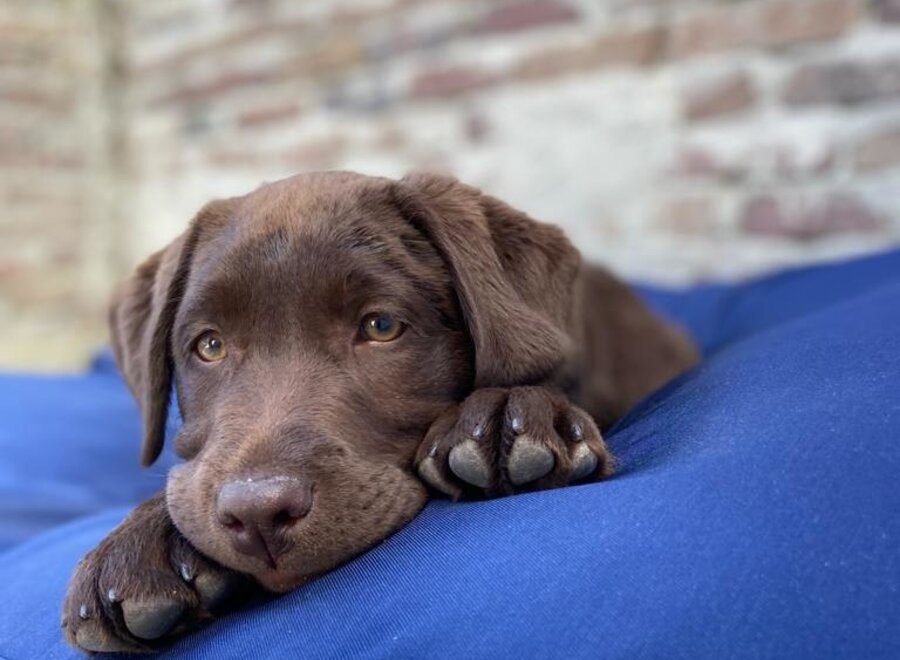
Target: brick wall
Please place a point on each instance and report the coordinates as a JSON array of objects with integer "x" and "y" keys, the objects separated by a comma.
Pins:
[
  {"x": 55, "y": 241},
  {"x": 674, "y": 140}
]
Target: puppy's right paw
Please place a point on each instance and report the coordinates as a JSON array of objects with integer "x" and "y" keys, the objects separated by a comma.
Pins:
[{"x": 142, "y": 586}]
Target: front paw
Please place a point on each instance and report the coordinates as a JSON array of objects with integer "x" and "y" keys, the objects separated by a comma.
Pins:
[
  {"x": 141, "y": 586},
  {"x": 501, "y": 441}
]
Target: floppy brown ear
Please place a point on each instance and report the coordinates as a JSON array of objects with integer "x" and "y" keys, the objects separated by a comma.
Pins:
[
  {"x": 515, "y": 277},
  {"x": 141, "y": 317}
]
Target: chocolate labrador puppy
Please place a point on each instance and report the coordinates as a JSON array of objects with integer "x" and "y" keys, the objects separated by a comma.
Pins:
[{"x": 335, "y": 340}]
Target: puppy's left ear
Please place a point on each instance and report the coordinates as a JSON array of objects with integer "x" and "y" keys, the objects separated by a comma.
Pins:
[
  {"x": 516, "y": 278},
  {"x": 140, "y": 320}
]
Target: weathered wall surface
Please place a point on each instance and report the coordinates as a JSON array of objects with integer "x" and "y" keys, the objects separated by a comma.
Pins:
[
  {"x": 674, "y": 140},
  {"x": 56, "y": 235}
]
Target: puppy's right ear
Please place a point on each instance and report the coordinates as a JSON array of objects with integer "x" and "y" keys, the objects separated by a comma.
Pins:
[{"x": 141, "y": 317}]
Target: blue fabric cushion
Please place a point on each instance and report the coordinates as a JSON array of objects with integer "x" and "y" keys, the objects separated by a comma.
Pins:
[
  {"x": 719, "y": 314},
  {"x": 756, "y": 513},
  {"x": 68, "y": 447}
]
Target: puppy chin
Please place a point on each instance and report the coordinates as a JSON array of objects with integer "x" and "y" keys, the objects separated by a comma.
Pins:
[{"x": 280, "y": 581}]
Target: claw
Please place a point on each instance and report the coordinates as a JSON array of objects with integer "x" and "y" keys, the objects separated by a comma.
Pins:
[
  {"x": 577, "y": 432},
  {"x": 467, "y": 463},
  {"x": 529, "y": 461}
]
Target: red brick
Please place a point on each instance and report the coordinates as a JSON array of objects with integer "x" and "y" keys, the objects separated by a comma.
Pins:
[
  {"x": 524, "y": 15},
  {"x": 223, "y": 83},
  {"x": 352, "y": 15},
  {"x": 253, "y": 5},
  {"x": 9, "y": 267},
  {"x": 638, "y": 48},
  {"x": 837, "y": 213},
  {"x": 843, "y": 83},
  {"x": 723, "y": 28},
  {"x": 39, "y": 99},
  {"x": 785, "y": 162},
  {"x": 695, "y": 162},
  {"x": 23, "y": 30},
  {"x": 265, "y": 115},
  {"x": 390, "y": 138},
  {"x": 789, "y": 21},
  {"x": 51, "y": 243},
  {"x": 764, "y": 23},
  {"x": 879, "y": 151},
  {"x": 730, "y": 94},
  {"x": 168, "y": 21},
  {"x": 688, "y": 216},
  {"x": 214, "y": 48},
  {"x": 26, "y": 54},
  {"x": 315, "y": 154},
  {"x": 42, "y": 217},
  {"x": 553, "y": 62},
  {"x": 38, "y": 286},
  {"x": 340, "y": 52},
  {"x": 449, "y": 82},
  {"x": 55, "y": 160},
  {"x": 234, "y": 158}
]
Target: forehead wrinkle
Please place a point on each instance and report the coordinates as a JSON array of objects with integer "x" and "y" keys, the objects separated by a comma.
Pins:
[
  {"x": 305, "y": 201},
  {"x": 316, "y": 249}
]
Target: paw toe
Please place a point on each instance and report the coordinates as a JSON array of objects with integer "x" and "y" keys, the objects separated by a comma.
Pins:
[
  {"x": 529, "y": 461},
  {"x": 428, "y": 470},
  {"x": 151, "y": 619},
  {"x": 93, "y": 636},
  {"x": 214, "y": 587},
  {"x": 584, "y": 462},
  {"x": 469, "y": 465}
]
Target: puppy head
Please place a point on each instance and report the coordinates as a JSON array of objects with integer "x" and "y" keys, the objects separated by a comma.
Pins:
[{"x": 314, "y": 329}]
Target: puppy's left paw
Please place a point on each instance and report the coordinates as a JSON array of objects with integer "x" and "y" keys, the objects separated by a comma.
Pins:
[{"x": 500, "y": 441}]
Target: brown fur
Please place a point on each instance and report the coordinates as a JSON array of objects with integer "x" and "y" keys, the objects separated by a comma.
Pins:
[{"x": 504, "y": 323}]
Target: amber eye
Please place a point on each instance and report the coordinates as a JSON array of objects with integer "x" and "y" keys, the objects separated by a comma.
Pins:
[
  {"x": 382, "y": 327},
  {"x": 210, "y": 347}
]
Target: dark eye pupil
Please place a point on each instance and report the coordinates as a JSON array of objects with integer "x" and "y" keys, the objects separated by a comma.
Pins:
[{"x": 383, "y": 323}]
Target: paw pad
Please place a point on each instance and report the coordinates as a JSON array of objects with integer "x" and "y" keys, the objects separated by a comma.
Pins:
[
  {"x": 529, "y": 461},
  {"x": 468, "y": 464},
  {"x": 151, "y": 619}
]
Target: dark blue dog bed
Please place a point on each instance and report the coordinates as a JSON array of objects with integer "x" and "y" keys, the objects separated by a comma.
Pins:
[{"x": 755, "y": 514}]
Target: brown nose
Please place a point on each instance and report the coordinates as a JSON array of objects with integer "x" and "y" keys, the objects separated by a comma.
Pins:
[{"x": 257, "y": 513}]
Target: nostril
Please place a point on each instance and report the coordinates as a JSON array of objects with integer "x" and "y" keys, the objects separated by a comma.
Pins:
[
  {"x": 285, "y": 518},
  {"x": 231, "y": 522}
]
